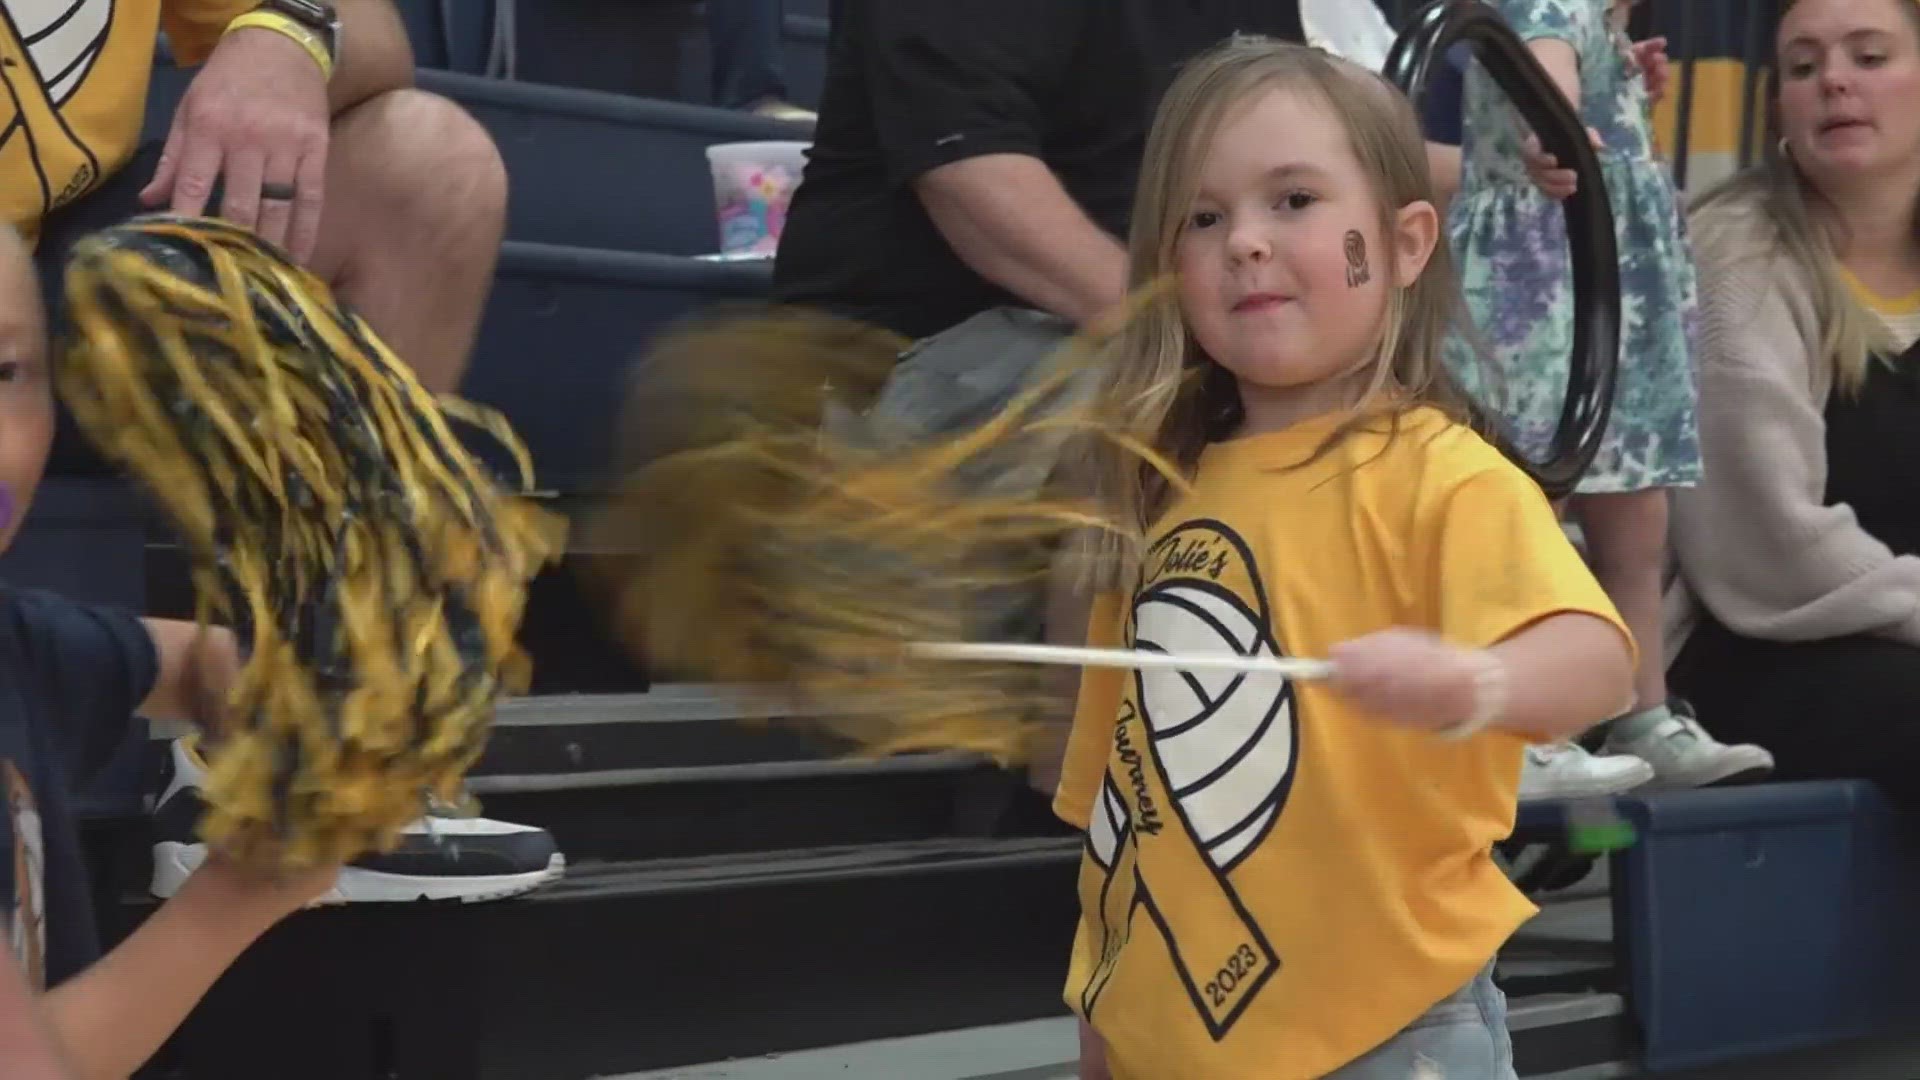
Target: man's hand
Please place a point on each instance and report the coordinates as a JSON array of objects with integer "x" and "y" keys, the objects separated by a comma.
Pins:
[
  {"x": 1656, "y": 70},
  {"x": 255, "y": 117}
]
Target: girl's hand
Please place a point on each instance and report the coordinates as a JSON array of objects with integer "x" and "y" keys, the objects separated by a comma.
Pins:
[
  {"x": 1557, "y": 182},
  {"x": 1656, "y": 69},
  {"x": 1410, "y": 677},
  {"x": 250, "y": 894}
]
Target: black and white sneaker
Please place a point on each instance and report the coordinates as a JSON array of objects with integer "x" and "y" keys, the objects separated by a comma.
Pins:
[{"x": 442, "y": 856}]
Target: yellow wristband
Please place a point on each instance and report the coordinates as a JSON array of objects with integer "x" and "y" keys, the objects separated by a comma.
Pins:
[{"x": 289, "y": 27}]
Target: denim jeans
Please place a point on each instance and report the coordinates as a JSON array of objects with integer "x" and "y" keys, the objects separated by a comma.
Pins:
[{"x": 1464, "y": 1037}]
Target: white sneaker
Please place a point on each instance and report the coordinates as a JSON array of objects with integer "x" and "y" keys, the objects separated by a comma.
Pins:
[
  {"x": 1683, "y": 755},
  {"x": 440, "y": 857},
  {"x": 1567, "y": 771}
]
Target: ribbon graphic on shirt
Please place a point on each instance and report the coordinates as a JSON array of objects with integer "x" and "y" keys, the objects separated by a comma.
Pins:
[{"x": 1201, "y": 767}]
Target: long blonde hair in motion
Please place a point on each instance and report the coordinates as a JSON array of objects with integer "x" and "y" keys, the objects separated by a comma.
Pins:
[{"x": 1168, "y": 392}]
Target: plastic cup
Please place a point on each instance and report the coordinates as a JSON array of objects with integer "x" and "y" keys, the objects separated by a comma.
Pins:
[{"x": 752, "y": 184}]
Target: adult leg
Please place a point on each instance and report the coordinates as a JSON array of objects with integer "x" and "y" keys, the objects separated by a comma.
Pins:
[
  {"x": 746, "y": 38},
  {"x": 416, "y": 209},
  {"x": 1848, "y": 708}
]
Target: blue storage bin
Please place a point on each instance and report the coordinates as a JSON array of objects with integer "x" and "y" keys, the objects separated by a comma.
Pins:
[
  {"x": 1762, "y": 919},
  {"x": 562, "y": 329}
]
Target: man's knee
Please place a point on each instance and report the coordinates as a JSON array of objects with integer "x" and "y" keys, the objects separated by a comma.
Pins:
[{"x": 415, "y": 158}]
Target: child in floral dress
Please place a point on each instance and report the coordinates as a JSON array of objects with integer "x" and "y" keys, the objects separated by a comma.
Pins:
[{"x": 1510, "y": 239}]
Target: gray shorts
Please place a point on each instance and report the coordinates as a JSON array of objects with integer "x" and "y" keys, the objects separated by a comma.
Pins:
[{"x": 957, "y": 380}]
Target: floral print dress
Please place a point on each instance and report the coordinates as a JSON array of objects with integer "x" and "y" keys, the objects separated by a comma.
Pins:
[{"x": 1511, "y": 243}]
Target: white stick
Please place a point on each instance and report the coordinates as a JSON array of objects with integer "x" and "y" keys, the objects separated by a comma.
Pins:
[{"x": 1284, "y": 666}]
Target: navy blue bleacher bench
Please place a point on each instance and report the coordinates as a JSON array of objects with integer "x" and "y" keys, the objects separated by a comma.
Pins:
[
  {"x": 606, "y": 170},
  {"x": 562, "y": 331}
]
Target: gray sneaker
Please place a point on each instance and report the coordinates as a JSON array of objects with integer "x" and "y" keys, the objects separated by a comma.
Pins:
[{"x": 1684, "y": 755}]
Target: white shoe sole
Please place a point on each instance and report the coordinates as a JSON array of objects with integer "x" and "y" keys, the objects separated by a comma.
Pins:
[
  {"x": 174, "y": 863},
  {"x": 1743, "y": 764},
  {"x": 1591, "y": 787}
]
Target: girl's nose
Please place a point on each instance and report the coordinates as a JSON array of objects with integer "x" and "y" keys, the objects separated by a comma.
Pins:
[{"x": 1249, "y": 245}]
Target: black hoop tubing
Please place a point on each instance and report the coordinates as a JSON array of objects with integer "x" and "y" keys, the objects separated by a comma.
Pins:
[{"x": 1596, "y": 263}]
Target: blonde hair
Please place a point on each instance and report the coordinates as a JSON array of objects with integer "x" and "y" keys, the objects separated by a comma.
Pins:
[
  {"x": 1165, "y": 389},
  {"x": 1803, "y": 231}
]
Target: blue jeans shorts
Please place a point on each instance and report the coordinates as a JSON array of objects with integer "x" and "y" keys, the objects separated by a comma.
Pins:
[{"x": 1464, "y": 1037}]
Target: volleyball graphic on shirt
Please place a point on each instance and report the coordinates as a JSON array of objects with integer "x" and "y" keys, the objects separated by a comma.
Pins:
[
  {"x": 64, "y": 38},
  {"x": 1225, "y": 741}
]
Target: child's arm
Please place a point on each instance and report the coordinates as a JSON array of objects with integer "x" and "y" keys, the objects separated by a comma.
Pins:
[
  {"x": 115, "y": 1015},
  {"x": 27, "y": 1049},
  {"x": 1563, "y": 675},
  {"x": 195, "y": 667},
  {"x": 1553, "y": 679},
  {"x": 1443, "y": 164},
  {"x": 1562, "y": 64}
]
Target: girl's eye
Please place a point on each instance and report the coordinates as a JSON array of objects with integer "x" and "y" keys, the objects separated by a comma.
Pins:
[
  {"x": 1203, "y": 219},
  {"x": 1799, "y": 69},
  {"x": 1298, "y": 200},
  {"x": 1872, "y": 60},
  {"x": 9, "y": 370}
]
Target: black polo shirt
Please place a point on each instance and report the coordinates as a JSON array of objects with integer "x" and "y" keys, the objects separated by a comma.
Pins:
[{"x": 916, "y": 84}]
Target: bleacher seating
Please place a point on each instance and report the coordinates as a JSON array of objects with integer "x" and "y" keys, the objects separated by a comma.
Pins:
[{"x": 601, "y": 170}]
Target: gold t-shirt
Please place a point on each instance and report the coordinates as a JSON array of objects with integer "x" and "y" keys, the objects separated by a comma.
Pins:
[{"x": 1274, "y": 884}]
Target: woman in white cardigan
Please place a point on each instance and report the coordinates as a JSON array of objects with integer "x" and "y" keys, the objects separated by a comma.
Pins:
[{"x": 1795, "y": 616}]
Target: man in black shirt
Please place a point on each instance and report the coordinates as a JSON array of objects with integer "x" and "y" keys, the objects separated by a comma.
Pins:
[{"x": 979, "y": 154}]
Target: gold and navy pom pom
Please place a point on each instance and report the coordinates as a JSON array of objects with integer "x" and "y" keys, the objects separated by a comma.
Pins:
[
  {"x": 375, "y": 572},
  {"x": 772, "y": 527}
]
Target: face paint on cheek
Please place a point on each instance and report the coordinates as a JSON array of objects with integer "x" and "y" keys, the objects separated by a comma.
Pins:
[{"x": 1358, "y": 273}]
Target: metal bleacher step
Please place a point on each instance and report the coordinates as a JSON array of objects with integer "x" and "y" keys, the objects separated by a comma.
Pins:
[
  {"x": 673, "y": 733},
  {"x": 695, "y": 771},
  {"x": 594, "y": 880},
  {"x": 658, "y": 964}
]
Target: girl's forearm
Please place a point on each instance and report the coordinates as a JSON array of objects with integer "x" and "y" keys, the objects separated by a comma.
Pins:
[
  {"x": 116, "y": 1014},
  {"x": 1565, "y": 674},
  {"x": 27, "y": 1049}
]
